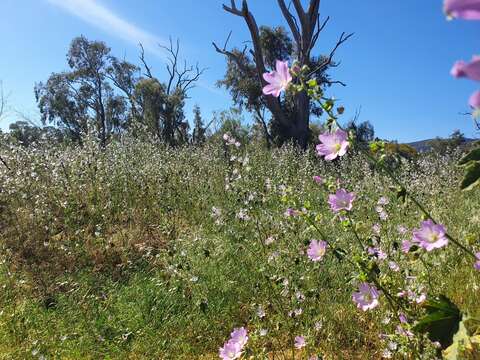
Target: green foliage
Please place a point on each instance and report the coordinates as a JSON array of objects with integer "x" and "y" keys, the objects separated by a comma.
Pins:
[
  {"x": 85, "y": 94},
  {"x": 199, "y": 130},
  {"x": 473, "y": 155},
  {"x": 105, "y": 95},
  {"x": 106, "y": 254},
  {"x": 440, "y": 145},
  {"x": 440, "y": 321},
  {"x": 471, "y": 176}
]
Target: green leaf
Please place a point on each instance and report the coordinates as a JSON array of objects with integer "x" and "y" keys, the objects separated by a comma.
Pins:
[
  {"x": 441, "y": 320},
  {"x": 472, "y": 175},
  {"x": 472, "y": 155}
]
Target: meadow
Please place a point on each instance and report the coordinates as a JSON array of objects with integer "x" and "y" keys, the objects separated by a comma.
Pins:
[
  {"x": 142, "y": 251},
  {"x": 279, "y": 227}
]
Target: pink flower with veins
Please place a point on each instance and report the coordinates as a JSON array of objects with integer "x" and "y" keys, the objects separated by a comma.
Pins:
[
  {"x": 316, "y": 250},
  {"x": 278, "y": 79},
  {"x": 333, "y": 145},
  {"x": 341, "y": 200},
  {"x": 430, "y": 235},
  {"x": 462, "y": 9},
  {"x": 469, "y": 70},
  {"x": 239, "y": 336},
  {"x": 367, "y": 297},
  {"x": 231, "y": 350}
]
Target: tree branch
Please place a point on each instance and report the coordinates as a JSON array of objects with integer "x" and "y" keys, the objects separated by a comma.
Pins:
[
  {"x": 272, "y": 103},
  {"x": 329, "y": 60},
  {"x": 291, "y": 21},
  {"x": 142, "y": 59}
]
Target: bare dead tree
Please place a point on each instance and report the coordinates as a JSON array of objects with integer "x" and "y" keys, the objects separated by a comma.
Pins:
[
  {"x": 148, "y": 72},
  {"x": 306, "y": 28},
  {"x": 184, "y": 77},
  {"x": 181, "y": 79}
]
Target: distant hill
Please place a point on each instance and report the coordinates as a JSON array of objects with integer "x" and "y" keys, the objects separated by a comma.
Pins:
[{"x": 424, "y": 145}]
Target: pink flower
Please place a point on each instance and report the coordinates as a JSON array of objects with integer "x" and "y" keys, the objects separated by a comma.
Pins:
[
  {"x": 300, "y": 342},
  {"x": 378, "y": 253},
  {"x": 474, "y": 100},
  {"x": 477, "y": 263},
  {"x": 231, "y": 350},
  {"x": 463, "y": 9},
  {"x": 469, "y": 70},
  {"x": 333, "y": 144},
  {"x": 342, "y": 200},
  {"x": 406, "y": 245},
  {"x": 318, "y": 179},
  {"x": 367, "y": 297},
  {"x": 240, "y": 336},
  {"x": 430, "y": 235},
  {"x": 278, "y": 79},
  {"x": 317, "y": 250},
  {"x": 290, "y": 212},
  {"x": 420, "y": 299},
  {"x": 393, "y": 266},
  {"x": 403, "y": 318}
]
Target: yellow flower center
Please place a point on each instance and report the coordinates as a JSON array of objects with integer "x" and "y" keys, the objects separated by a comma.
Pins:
[{"x": 433, "y": 238}]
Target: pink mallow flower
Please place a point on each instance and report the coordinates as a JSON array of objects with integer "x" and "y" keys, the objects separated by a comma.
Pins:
[
  {"x": 462, "y": 9},
  {"x": 341, "y": 200},
  {"x": 477, "y": 263},
  {"x": 233, "y": 348},
  {"x": 430, "y": 235},
  {"x": 367, "y": 297},
  {"x": 240, "y": 336},
  {"x": 316, "y": 250},
  {"x": 469, "y": 70},
  {"x": 318, "y": 179},
  {"x": 474, "y": 100},
  {"x": 333, "y": 144},
  {"x": 278, "y": 79},
  {"x": 300, "y": 342}
]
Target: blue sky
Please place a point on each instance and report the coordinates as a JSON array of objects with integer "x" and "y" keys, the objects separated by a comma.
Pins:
[{"x": 396, "y": 66}]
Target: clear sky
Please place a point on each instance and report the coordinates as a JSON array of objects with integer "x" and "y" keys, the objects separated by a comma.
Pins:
[{"x": 396, "y": 66}]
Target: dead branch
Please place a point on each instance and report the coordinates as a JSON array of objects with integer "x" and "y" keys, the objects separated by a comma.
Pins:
[{"x": 142, "y": 59}]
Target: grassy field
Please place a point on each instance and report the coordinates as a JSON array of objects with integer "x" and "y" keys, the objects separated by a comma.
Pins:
[{"x": 143, "y": 252}]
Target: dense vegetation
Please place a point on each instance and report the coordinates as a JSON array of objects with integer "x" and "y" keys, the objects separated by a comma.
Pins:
[
  {"x": 142, "y": 251},
  {"x": 124, "y": 234}
]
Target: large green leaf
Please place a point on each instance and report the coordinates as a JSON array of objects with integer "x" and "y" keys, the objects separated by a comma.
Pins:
[
  {"x": 440, "y": 321},
  {"x": 472, "y": 175},
  {"x": 472, "y": 155}
]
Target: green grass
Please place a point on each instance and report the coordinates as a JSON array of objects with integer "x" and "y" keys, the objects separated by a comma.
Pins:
[{"x": 116, "y": 254}]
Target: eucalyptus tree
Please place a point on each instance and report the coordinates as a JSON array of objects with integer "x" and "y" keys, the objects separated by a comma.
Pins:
[{"x": 290, "y": 116}]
